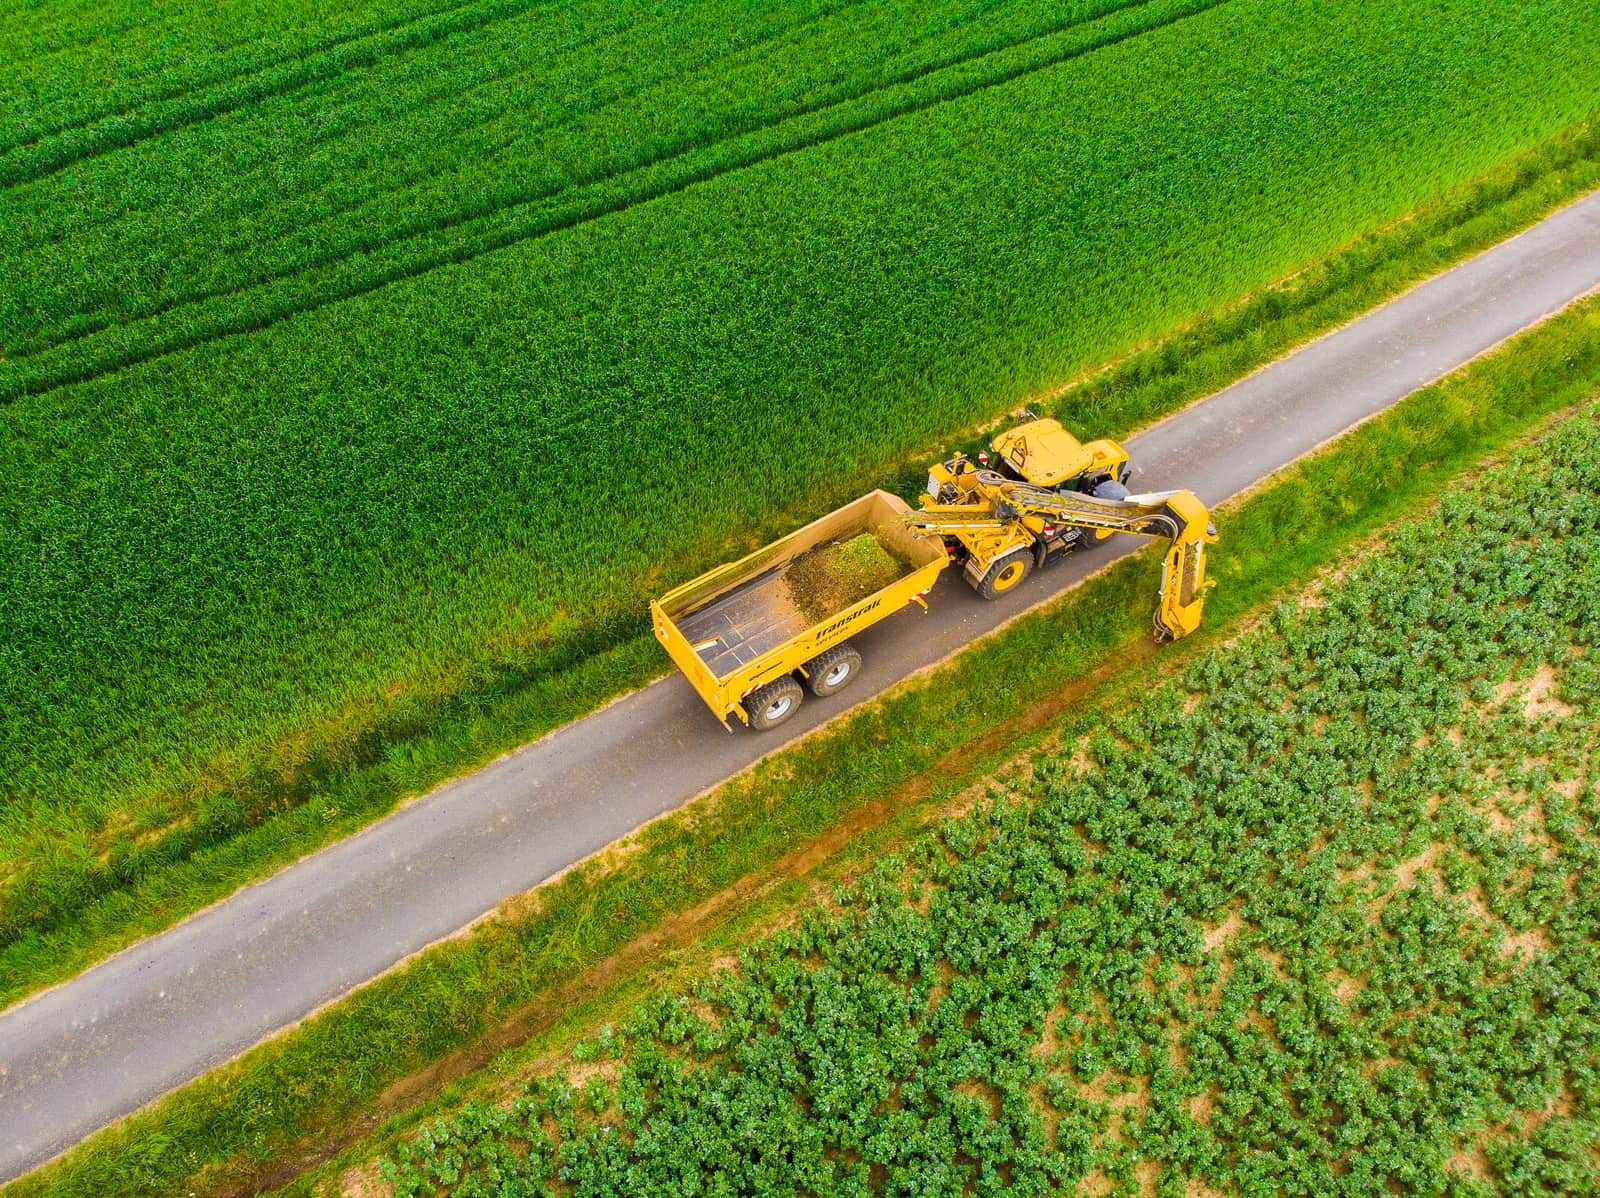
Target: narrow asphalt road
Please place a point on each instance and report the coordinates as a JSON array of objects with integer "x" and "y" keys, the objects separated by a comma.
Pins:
[{"x": 173, "y": 1006}]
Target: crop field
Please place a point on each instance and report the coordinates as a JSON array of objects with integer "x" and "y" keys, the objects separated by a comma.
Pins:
[
  {"x": 1316, "y": 917},
  {"x": 359, "y": 356}
]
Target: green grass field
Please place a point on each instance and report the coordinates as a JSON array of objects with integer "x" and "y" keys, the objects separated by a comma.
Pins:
[
  {"x": 361, "y": 356},
  {"x": 1315, "y": 918}
]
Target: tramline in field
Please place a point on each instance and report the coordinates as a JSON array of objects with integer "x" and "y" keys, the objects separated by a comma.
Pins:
[{"x": 748, "y": 634}]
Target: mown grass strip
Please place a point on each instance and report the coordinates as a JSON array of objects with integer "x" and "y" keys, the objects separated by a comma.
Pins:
[
  {"x": 222, "y": 1130},
  {"x": 66, "y": 915}
]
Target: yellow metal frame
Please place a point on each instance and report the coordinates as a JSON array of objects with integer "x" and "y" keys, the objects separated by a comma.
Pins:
[
  {"x": 993, "y": 517},
  {"x": 879, "y": 512}
]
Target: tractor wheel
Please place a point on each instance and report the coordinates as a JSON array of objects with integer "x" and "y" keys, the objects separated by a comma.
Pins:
[
  {"x": 1005, "y": 574},
  {"x": 830, "y": 671},
  {"x": 770, "y": 705}
]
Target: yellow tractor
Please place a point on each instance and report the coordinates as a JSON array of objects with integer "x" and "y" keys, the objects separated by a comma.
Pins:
[{"x": 1049, "y": 495}]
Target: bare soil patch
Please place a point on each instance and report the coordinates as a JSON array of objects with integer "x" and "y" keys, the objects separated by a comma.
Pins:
[
  {"x": 1541, "y": 698},
  {"x": 1223, "y": 933}
]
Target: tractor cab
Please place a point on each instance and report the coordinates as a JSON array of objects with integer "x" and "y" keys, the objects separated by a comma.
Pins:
[{"x": 1044, "y": 454}]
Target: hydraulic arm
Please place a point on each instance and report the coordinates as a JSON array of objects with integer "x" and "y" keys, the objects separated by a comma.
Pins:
[{"x": 1001, "y": 528}]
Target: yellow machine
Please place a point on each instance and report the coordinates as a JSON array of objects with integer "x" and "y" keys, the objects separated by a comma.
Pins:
[
  {"x": 746, "y": 647},
  {"x": 1044, "y": 454},
  {"x": 998, "y": 529}
]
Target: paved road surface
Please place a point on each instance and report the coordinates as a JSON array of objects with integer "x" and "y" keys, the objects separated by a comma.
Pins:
[{"x": 182, "y": 1002}]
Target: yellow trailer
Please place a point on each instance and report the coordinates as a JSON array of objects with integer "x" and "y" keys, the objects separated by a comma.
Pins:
[{"x": 746, "y": 641}]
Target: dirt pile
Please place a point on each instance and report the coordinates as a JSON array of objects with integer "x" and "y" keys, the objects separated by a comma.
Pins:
[{"x": 831, "y": 577}]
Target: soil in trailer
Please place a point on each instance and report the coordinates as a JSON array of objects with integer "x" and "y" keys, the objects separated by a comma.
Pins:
[
  {"x": 761, "y": 613},
  {"x": 831, "y": 577}
]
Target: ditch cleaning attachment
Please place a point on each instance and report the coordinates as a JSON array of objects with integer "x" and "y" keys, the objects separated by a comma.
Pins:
[{"x": 999, "y": 529}]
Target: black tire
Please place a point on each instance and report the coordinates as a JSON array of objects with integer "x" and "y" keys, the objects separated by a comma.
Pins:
[
  {"x": 768, "y": 706},
  {"x": 1003, "y": 575},
  {"x": 830, "y": 671}
]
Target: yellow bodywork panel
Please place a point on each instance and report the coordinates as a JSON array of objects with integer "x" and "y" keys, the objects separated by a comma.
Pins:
[
  {"x": 1183, "y": 574},
  {"x": 729, "y": 631},
  {"x": 1047, "y": 455}
]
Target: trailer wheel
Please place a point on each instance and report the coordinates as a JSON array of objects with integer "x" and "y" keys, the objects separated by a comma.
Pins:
[
  {"x": 1005, "y": 574},
  {"x": 830, "y": 671},
  {"x": 770, "y": 705}
]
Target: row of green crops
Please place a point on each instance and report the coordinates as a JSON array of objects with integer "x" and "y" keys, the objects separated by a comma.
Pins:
[
  {"x": 1318, "y": 918},
  {"x": 232, "y": 564},
  {"x": 400, "y": 155}
]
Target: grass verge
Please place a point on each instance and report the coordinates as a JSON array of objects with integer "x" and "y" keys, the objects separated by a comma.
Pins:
[
  {"x": 282, "y": 1101},
  {"x": 272, "y": 819}
]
